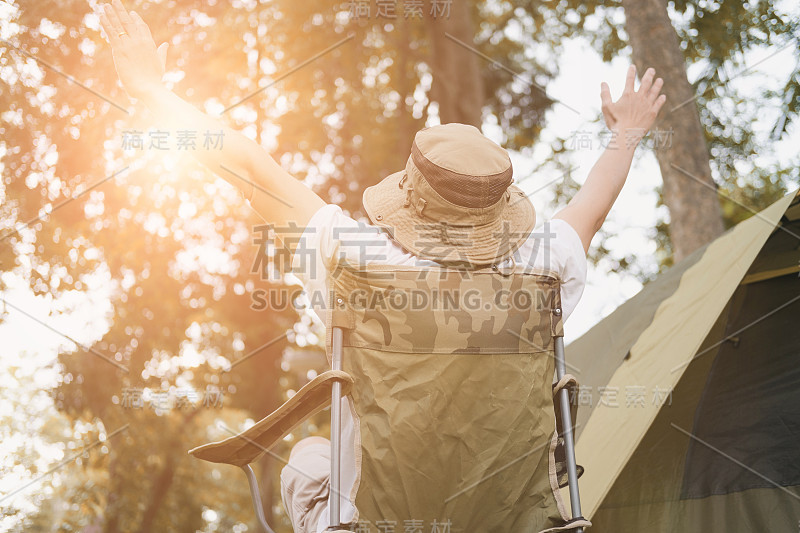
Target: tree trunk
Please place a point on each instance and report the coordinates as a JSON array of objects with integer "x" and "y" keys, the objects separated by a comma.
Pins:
[
  {"x": 681, "y": 150},
  {"x": 457, "y": 85},
  {"x": 268, "y": 496},
  {"x": 165, "y": 479},
  {"x": 111, "y": 513},
  {"x": 405, "y": 83},
  {"x": 161, "y": 486}
]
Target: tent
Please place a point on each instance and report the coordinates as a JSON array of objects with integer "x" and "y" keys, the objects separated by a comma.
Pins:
[{"x": 689, "y": 416}]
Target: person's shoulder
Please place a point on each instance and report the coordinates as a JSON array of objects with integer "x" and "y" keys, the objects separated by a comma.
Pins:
[
  {"x": 552, "y": 232},
  {"x": 566, "y": 234},
  {"x": 553, "y": 245},
  {"x": 315, "y": 238},
  {"x": 332, "y": 235},
  {"x": 325, "y": 215},
  {"x": 330, "y": 218}
]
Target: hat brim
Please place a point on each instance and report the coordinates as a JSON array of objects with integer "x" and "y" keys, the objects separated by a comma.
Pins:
[{"x": 478, "y": 244}]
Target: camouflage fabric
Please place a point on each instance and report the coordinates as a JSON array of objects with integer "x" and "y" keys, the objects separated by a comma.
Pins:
[{"x": 453, "y": 394}]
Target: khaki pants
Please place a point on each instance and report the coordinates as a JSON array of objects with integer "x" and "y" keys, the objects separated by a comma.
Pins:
[{"x": 305, "y": 483}]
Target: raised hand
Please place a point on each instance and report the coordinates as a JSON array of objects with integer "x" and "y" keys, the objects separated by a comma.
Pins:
[
  {"x": 635, "y": 111},
  {"x": 140, "y": 65}
]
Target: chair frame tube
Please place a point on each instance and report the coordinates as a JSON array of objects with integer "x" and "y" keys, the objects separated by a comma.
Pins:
[
  {"x": 336, "y": 442},
  {"x": 336, "y": 447},
  {"x": 336, "y": 434},
  {"x": 566, "y": 424},
  {"x": 256, "y": 495}
]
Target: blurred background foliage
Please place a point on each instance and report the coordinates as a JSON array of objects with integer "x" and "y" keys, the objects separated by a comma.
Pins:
[{"x": 173, "y": 247}]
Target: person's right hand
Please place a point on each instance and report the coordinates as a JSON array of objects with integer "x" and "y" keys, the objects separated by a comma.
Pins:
[
  {"x": 635, "y": 111},
  {"x": 139, "y": 64}
]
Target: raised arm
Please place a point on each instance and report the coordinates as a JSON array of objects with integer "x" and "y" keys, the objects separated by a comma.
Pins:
[
  {"x": 629, "y": 119},
  {"x": 274, "y": 194}
]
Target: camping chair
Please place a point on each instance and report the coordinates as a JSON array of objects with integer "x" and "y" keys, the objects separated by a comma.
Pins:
[{"x": 446, "y": 376}]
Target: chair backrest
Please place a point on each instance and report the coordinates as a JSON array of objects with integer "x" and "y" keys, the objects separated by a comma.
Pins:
[{"x": 453, "y": 395}]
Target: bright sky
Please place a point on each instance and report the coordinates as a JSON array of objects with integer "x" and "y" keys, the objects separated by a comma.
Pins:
[{"x": 634, "y": 213}]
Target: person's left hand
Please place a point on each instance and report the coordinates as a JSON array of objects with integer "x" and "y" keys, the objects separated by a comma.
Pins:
[
  {"x": 634, "y": 111},
  {"x": 140, "y": 65}
]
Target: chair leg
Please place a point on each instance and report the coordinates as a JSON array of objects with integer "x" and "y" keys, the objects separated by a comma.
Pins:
[
  {"x": 256, "y": 494},
  {"x": 566, "y": 424},
  {"x": 336, "y": 433}
]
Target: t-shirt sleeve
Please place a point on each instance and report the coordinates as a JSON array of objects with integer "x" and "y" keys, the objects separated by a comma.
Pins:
[
  {"x": 313, "y": 254},
  {"x": 329, "y": 237},
  {"x": 570, "y": 261}
]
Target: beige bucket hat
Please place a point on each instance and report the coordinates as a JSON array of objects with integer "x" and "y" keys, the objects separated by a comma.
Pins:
[{"x": 455, "y": 201}]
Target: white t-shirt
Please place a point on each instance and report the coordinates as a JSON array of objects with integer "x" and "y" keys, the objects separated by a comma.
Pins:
[{"x": 330, "y": 234}]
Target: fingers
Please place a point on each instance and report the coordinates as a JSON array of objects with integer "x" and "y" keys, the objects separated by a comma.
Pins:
[
  {"x": 605, "y": 94},
  {"x": 113, "y": 19},
  {"x": 629, "y": 80},
  {"x": 111, "y": 34},
  {"x": 605, "y": 98},
  {"x": 162, "y": 55},
  {"x": 647, "y": 81},
  {"x": 655, "y": 89},
  {"x": 659, "y": 102},
  {"x": 125, "y": 19}
]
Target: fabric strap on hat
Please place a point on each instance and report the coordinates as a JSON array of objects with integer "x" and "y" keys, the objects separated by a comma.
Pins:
[
  {"x": 463, "y": 189},
  {"x": 431, "y": 204}
]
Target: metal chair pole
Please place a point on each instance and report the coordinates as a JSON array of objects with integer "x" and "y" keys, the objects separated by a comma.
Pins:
[
  {"x": 256, "y": 495},
  {"x": 336, "y": 432},
  {"x": 566, "y": 424}
]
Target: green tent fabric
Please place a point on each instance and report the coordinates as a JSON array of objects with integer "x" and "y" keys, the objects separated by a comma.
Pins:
[{"x": 690, "y": 415}]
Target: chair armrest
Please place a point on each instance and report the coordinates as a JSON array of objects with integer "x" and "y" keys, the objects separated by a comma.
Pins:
[{"x": 247, "y": 446}]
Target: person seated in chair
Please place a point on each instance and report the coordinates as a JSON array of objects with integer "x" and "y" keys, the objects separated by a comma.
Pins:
[{"x": 454, "y": 203}]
